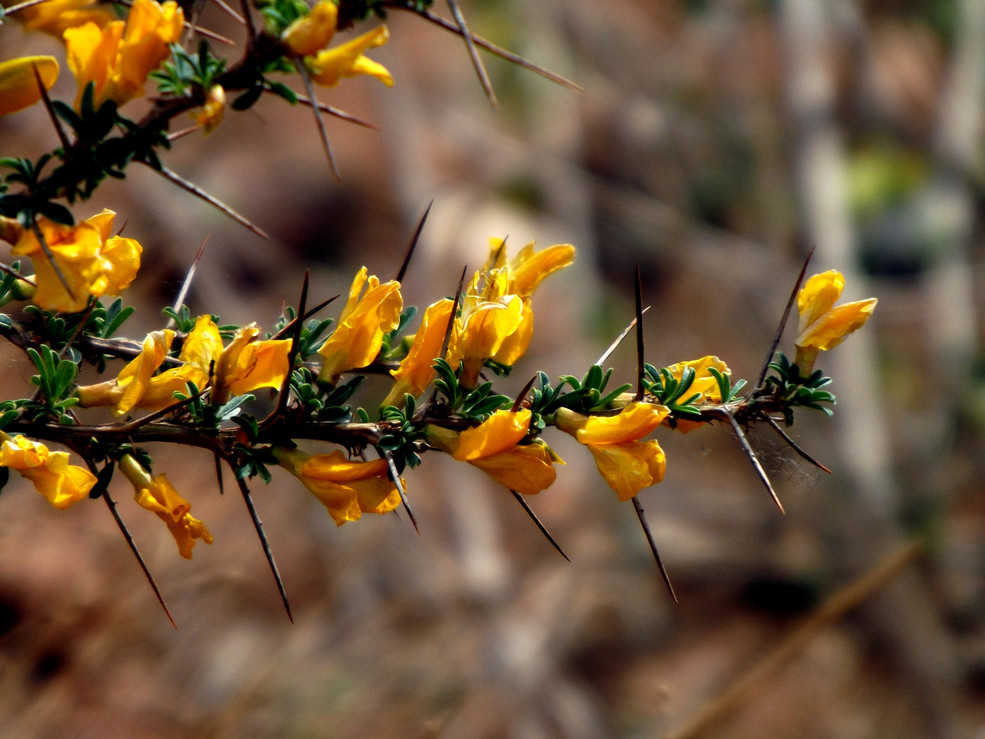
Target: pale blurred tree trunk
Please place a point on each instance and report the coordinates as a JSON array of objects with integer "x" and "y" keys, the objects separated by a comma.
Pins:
[{"x": 864, "y": 520}]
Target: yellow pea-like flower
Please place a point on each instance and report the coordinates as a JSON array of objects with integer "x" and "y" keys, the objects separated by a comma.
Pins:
[
  {"x": 118, "y": 57},
  {"x": 494, "y": 447},
  {"x": 247, "y": 365},
  {"x": 19, "y": 85},
  {"x": 823, "y": 325},
  {"x": 311, "y": 33},
  {"x": 329, "y": 66},
  {"x": 416, "y": 371},
  {"x": 157, "y": 495},
  {"x": 60, "y": 482},
  {"x": 54, "y": 17},
  {"x": 347, "y": 488},
  {"x": 627, "y": 464},
  {"x": 92, "y": 261},
  {"x": 366, "y": 317}
]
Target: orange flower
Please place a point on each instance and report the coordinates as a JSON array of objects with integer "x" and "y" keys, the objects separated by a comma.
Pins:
[
  {"x": 158, "y": 496},
  {"x": 627, "y": 464},
  {"x": 822, "y": 324},
  {"x": 60, "y": 482},
  {"x": 18, "y": 85},
  {"x": 494, "y": 447},
  {"x": 358, "y": 337},
  {"x": 347, "y": 488},
  {"x": 118, "y": 57},
  {"x": 92, "y": 261}
]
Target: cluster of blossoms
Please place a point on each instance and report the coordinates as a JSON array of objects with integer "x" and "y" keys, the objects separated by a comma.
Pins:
[{"x": 198, "y": 383}]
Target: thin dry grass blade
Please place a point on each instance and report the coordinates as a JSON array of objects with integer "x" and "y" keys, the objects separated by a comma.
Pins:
[{"x": 619, "y": 339}]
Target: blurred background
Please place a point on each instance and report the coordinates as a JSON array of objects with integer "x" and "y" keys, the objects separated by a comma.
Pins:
[{"x": 715, "y": 142}]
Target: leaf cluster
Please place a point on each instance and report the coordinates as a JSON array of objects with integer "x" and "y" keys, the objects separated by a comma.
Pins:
[
  {"x": 791, "y": 390},
  {"x": 475, "y": 404}
]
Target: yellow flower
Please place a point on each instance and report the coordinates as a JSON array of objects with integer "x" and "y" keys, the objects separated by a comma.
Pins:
[
  {"x": 627, "y": 464},
  {"x": 210, "y": 116},
  {"x": 60, "y": 482},
  {"x": 54, "y": 17},
  {"x": 524, "y": 273},
  {"x": 329, "y": 66},
  {"x": 18, "y": 85},
  {"x": 118, "y": 57},
  {"x": 488, "y": 318},
  {"x": 497, "y": 320},
  {"x": 92, "y": 261},
  {"x": 494, "y": 447},
  {"x": 358, "y": 337},
  {"x": 138, "y": 386},
  {"x": 822, "y": 324},
  {"x": 157, "y": 495},
  {"x": 247, "y": 365},
  {"x": 311, "y": 33},
  {"x": 416, "y": 370},
  {"x": 346, "y": 488},
  {"x": 242, "y": 366}
]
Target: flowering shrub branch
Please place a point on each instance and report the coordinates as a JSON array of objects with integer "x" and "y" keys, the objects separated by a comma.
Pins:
[{"x": 196, "y": 382}]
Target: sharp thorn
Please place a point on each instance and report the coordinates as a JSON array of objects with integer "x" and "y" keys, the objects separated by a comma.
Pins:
[
  {"x": 619, "y": 339},
  {"x": 498, "y": 50},
  {"x": 793, "y": 445},
  {"x": 653, "y": 547},
  {"x": 400, "y": 489},
  {"x": 198, "y": 192},
  {"x": 480, "y": 70},
  {"x": 111, "y": 504},
  {"x": 62, "y": 137},
  {"x": 51, "y": 258},
  {"x": 335, "y": 112},
  {"x": 756, "y": 465},
  {"x": 521, "y": 396},
  {"x": 412, "y": 247},
  {"x": 322, "y": 131},
  {"x": 543, "y": 529},
  {"x": 783, "y": 320},
  {"x": 248, "y": 499},
  {"x": 186, "y": 285}
]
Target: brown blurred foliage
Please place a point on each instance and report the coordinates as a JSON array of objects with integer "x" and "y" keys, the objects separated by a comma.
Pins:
[{"x": 715, "y": 142}]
